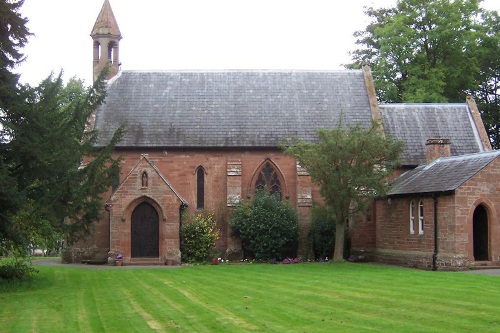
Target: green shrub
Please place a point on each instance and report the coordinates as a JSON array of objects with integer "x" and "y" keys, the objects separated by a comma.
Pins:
[
  {"x": 268, "y": 228},
  {"x": 198, "y": 237},
  {"x": 16, "y": 268},
  {"x": 322, "y": 233}
]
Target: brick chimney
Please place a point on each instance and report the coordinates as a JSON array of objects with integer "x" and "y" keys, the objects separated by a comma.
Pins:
[{"x": 437, "y": 148}]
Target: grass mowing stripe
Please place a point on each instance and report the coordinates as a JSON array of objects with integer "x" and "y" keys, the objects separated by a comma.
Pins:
[
  {"x": 242, "y": 298},
  {"x": 232, "y": 312},
  {"x": 172, "y": 301},
  {"x": 159, "y": 311},
  {"x": 273, "y": 308},
  {"x": 222, "y": 313},
  {"x": 107, "y": 313}
]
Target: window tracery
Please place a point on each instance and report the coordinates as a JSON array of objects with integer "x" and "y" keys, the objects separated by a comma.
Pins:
[{"x": 268, "y": 178}]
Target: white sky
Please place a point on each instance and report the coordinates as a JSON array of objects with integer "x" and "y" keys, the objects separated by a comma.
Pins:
[{"x": 197, "y": 34}]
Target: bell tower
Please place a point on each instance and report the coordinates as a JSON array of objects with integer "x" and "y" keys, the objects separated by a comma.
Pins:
[{"x": 106, "y": 37}]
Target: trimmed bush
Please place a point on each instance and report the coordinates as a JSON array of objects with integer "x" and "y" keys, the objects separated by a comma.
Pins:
[
  {"x": 322, "y": 233},
  {"x": 16, "y": 268},
  {"x": 198, "y": 237},
  {"x": 268, "y": 228}
]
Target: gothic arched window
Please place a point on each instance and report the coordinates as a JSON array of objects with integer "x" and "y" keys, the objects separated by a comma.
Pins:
[
  {"x": 268, "y": 178},
  {"x": 200, "y": 188}
]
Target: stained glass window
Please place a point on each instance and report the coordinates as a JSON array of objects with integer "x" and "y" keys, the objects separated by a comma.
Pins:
[{"x": 268, "y": 178}]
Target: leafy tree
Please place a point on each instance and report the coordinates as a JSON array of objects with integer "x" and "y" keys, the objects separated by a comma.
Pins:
[
  {"x": 268, "y": 227},
  {"x": 13, "y": 36},
  {"x": 488, "y": 93},
  {"x": 45, "y": 188},
  {"x": 434, "y": 51},
  {"x": 350, "y": 165},
  {"x": 48, "y": 158}
]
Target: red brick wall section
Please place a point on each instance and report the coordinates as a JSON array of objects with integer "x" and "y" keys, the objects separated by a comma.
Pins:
[
  {"x": 179, "y": 169},
  {"x": 483, "y": 189},
  {"x": 133, "y": 191},
  {"x": 396, "y": 245},
  {"x": 388, "y": 231},
  {"x": 362, "y": 232}
]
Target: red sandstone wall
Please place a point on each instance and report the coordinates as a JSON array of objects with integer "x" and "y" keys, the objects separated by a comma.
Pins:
[
  {"x": 396, "y": 245},
  {"x": 482, "y": 189},
  {"x": 179, "y": 168},
  {"x": 363, "y": 235}
]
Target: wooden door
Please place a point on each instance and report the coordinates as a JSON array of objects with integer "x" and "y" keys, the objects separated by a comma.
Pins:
[{"x": 145, "y": 231}]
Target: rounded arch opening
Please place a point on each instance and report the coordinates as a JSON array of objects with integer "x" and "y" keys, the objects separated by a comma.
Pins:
[
  {"x": 97, "y": 51},
  {"x": 480, "y": 233},
  {"x": 137, "y": 201}
]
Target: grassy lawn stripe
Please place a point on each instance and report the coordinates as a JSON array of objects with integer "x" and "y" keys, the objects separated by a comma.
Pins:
[{"x": 251, "y": 298}]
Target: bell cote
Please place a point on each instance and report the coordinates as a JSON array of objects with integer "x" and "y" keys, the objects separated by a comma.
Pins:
[{"x": 106, "y": 42}]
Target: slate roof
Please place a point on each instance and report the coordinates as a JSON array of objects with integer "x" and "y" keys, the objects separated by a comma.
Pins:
[
  {"x": 443, "y": 175},
  {"x": 229, "y": 108},
  {"x": 415, "y": 123}
]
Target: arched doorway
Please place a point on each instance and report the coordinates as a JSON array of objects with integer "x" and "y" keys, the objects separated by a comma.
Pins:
[
  {"x": 480, "y": 233},
  {"x": 145, "y": 232}
]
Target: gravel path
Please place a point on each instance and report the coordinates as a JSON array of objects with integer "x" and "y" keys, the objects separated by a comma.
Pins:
[{"x": 57, "y": 262}]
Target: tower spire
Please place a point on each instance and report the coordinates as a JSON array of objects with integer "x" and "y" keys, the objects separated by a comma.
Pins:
[{"x": 106, "y": 37}]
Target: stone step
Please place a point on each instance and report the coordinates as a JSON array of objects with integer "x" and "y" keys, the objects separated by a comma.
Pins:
[
  {"x": 486, "y": 265},
  {"x": 146, "y": 261}
]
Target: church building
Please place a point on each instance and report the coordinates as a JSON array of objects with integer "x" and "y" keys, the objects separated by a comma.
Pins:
[{"x": 206, "y": 140}]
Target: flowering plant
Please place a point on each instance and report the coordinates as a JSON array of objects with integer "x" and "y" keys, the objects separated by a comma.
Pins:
[
  {"x": 291, "y": 261},
  {"x": 119, "y": 256}
]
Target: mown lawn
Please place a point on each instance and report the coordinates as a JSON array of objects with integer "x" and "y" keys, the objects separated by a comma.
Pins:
[{"x": 251, "y": 298}]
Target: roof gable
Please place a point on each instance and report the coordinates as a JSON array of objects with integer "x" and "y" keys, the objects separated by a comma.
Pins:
[
  {"x": 133, "y": 179},
  {"x": 443, "y": 175},
  {"x": 415, "y": 123}
]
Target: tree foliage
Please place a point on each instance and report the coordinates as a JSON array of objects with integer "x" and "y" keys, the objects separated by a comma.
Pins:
[
  {"x": 434, "y": 51},
  {"x": 51, "y": 176},
  {"x": 268, "y": 227},
  {"x": 350, "y": 165},
  {"x": 13, "y": 36},
  {"x": 55, "y": 176}
]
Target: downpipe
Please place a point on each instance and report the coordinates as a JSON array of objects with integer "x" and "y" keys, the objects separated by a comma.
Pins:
[{"x": 434, "y": 254}]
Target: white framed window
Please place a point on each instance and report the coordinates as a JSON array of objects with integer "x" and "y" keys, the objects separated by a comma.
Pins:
[
  {"x": 420, "y": 217},
  {"x": 412, "y": 217}
]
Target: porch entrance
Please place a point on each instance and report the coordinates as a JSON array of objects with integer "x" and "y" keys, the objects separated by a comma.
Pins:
[
  {"x": 145, "y": 232},
  {"x": 480, "y": 231}
]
